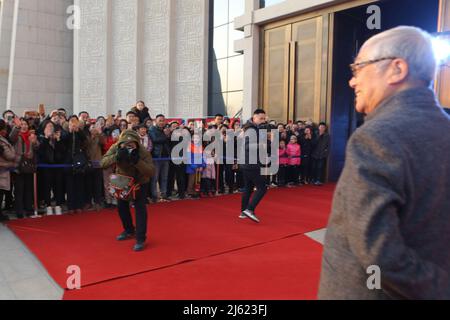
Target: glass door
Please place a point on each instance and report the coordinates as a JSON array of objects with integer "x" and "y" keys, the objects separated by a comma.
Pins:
[
  {"x": 306, "y": 69},
  {"x": 293, "y": 64},
  {"x": 276, "y": 73}
]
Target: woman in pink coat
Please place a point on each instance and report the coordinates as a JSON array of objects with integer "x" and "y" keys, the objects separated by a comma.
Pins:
[{"x": 294, "y": 153}]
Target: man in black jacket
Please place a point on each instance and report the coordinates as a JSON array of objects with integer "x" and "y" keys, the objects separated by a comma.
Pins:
[
  {"x": 251, "y": 167},
  {"x": 320, "y": 153},
  {"x": 161, "y": 153}
]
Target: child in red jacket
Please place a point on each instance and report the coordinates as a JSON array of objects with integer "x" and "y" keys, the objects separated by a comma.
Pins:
[
  {"x": 283, "y": 162},
  {"x": 294, "y": 153}
]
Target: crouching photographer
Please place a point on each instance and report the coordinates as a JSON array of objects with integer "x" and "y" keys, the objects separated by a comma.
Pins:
[{"x": 133, "y": 170}]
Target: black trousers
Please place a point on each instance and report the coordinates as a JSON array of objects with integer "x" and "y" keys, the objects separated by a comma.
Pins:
[
  {"x": 252, "y": 179},
  {"x": 177, "y": 172},
  {"x": 318, "y": 166},
  {"x": 305, "y": 169},
  {"x": 208, "y": 185},
  {"x": 94, "y": 186},
  {"x": 23, "y": 193},
  {"x": 141, "y": 215},
  {"x": 294, "y": 174},
  {"x": 229, "y": 177},
  {"x": 2, "y": 196},
  {"x": 52, "y": 180},
  {"x": 281, "y": 176},
  {"x": 75, "y": 186},
  {"x": 220, "y": 174}
]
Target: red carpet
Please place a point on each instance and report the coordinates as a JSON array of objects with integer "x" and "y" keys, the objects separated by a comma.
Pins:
[
  {"x": 178, "y": 232},
  {"x": 287, "y": 269}
]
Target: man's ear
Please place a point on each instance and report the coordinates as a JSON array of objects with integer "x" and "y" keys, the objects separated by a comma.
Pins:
[{"x": 399, "y": 71}]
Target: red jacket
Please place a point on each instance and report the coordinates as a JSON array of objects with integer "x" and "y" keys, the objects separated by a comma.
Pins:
[
  {"x": 283, "y": 156},
  {"x": 294, "y": 152},
  {"x": 108, "y": 143}
]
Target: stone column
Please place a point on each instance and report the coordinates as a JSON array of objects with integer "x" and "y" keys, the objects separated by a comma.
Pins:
[
  {"x": 91, "y": 58},
  {"x": 124, "y": 54},
  {"x": 6, "y": 20},
  {"x": 250, "y": 46},
  {"x": 191, "y": 59}
]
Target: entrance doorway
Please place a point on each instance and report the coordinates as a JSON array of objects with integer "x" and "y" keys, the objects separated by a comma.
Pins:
[
  {"x": 350, "y": 32},
  {"x": 292, "y": 70}
]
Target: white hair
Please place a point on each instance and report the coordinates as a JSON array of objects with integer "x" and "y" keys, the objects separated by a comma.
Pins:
[{"x": 409, "y": 43}]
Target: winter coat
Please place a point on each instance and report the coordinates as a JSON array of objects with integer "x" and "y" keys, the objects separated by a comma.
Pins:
[
  {"x": 251, "y": 147},
  {"x": 294, "y": 152},
  {"x": 283, "y": 156},
  {"x": 80, "y": 146},
  {"x": 142, "y": 171},
  {"x": 142, "y": 115},
  {"x": 195, "y": 154},
  {"x": 306, "y": 146},
  {"x": 391, "y": 207},
  {"x": 51, "y": 152},
  {"x": 20, "y": 148},
  {"x": 161, "y": 146},
  {"x": 321, "y": 147},
  {"x": 7, "y": 162}
]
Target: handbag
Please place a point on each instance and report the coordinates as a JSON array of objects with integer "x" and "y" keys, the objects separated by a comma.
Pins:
[
  {"x": 123, "y": 187},
  {"x": 26, "y": 165}
]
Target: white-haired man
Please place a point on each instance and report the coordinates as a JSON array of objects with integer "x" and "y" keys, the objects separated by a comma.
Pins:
[{"x": 389, "y": 232}]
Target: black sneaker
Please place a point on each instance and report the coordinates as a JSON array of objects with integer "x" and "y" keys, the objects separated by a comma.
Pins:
[
  {"x": 139, "y": 246},
  {"x": 125, "y": 236}
]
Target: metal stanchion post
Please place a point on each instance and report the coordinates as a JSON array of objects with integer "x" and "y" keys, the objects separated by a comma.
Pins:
[
  {"x": 217, "y": 179},
  {"x": 36, "y": 215}
]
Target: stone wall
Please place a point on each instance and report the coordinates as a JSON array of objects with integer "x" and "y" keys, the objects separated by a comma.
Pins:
[
  {"x": 151, "y": 50},
  {"x": 43, "y": 57}
]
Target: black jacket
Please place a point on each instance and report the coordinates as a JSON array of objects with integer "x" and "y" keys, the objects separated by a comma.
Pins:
[
  {"x": 52, "y": 153},
  {"x": 142, "y": 115},
  {"x": 80, "y": 140},
  {"x": 251, "y": 147},
  {"x": 322, "y": 147},
  {"x": 307, "y": 147},
  {"x": 161, "y": 143}
]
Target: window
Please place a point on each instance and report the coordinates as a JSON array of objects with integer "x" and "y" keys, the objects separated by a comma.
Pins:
[
  {"x": 268, "y": 3},
  {"x": 226, "y": 74}
]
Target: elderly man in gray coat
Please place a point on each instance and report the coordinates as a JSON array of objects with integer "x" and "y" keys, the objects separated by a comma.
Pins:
[{"x": 389, "y": 231}]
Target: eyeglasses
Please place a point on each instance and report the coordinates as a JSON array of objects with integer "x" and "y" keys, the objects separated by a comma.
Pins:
[{"x": 355, "y": 67}]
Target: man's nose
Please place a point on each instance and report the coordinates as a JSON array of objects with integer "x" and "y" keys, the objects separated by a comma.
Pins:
[{"x": 352, "y": 83}]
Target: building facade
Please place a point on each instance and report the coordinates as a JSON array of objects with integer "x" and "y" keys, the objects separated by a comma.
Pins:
[
  {"x": 151, "y": 50},
  {"x": 36, "y": 54},
  {"x": 196, "y": 58},
  {"x": 297, "y": 53}
]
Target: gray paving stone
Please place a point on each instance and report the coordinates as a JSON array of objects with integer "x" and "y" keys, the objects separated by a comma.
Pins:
[
  {"x": 318, "y": 235},
  {"x": 6, "y": 292},
  {"x": 22, "y": 276},
  {"x": 37, "y": 288}
]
